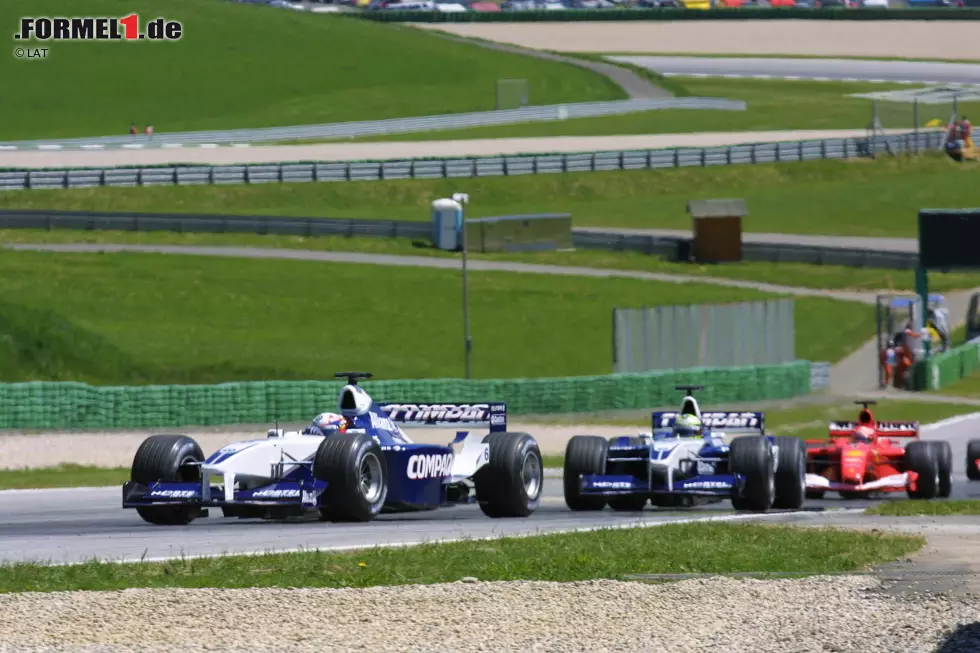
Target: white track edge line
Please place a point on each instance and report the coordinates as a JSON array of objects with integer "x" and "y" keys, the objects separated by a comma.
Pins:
[{"x": 449, "y": 540}]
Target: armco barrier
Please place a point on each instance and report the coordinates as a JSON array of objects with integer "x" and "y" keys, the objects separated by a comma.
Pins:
[
  {"x": 743, "y": 13},
  {"x": 530, "y": 164},
  {"x": 670, "y": 247},
  {"x": 42, "y": 405},
  {"x": 948, "y": 367}
]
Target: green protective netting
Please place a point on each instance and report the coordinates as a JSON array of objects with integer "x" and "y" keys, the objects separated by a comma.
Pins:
[
  {"x": 43, "y": 405},
  {"x": 949, "y": 367}
]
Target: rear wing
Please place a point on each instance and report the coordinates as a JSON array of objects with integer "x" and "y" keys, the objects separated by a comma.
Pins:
[
  {"x": 728, "y": 421},
  {"x": 491, "y": 415},
  {"x": 884, "y": 429}
]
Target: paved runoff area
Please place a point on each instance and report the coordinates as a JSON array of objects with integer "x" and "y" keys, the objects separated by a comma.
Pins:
[{"x": 908, "y": 39}]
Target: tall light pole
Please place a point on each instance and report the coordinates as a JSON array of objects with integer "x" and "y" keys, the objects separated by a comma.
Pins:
[{"x": 463, "y": 198}]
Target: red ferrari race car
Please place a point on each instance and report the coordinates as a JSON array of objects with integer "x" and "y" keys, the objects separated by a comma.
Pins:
[
  {"x": 864, "y": 458},
  {"x": 973, "y": 460}
]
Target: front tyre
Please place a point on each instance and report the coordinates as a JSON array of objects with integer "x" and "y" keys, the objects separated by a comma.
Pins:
[
  {"x": 751, "y": 457},
  {"x": 168, "y": 458},
  {"x": 944, "y": 461},
  {"x": 584, "y": 455},
  {"x": 790, "y": 473},
  {"x": 353, "y": 466},
  {"x": 920, "y": 457},
  {"x": 510, "y": 484}
]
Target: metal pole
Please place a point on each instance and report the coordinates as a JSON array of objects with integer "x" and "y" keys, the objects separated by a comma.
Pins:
[
  {"x": 915, "y": 117},
  {"x": 466, "y": 308}
]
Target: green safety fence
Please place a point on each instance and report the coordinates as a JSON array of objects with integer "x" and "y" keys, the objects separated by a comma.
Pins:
[
  {"x": 48, "y": 405},
  {"x": 948, "y": 367}
]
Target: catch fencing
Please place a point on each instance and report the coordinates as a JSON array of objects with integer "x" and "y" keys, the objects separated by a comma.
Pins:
[
  {"x": 42, "y": 405},
  {"x": 703, "y": 335},
  {"x": 360, "y": 129},
  {"x": 453, "y": 168}
]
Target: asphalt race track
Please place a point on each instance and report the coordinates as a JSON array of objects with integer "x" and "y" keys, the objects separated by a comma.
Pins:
[
  {"x": 72, "y": 525},
  {"x": 815, "y": 69}
]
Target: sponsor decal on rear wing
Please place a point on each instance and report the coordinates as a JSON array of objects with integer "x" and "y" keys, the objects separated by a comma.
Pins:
[
  {"x": 729, "y": 421},
  {"x": 492, "y": 415},
  {"x": 885, "y": 429}
]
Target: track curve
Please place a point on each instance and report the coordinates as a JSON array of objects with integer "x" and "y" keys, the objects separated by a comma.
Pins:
[
  {"x": 917, "y": 72},
  {"x": 74, "y": 525}
]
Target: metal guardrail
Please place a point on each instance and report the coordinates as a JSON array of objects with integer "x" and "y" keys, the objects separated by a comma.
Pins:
[
  {"x": 841, "y": 148},
  {"x": 675, "y": 248},
  {"x": 671, "y": 248},
  {"x": 207, "y": 223},
  {"x": 342, "y": 130}
]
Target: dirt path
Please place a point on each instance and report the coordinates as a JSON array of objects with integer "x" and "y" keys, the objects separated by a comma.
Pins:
[{"x": 635, "y": 86}]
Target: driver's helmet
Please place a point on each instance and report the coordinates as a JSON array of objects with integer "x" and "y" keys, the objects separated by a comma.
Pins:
[
  {"x": 863, "y": 434},
  {"x": 326, "y": 424},
  {"x": 688, "y": 426}
]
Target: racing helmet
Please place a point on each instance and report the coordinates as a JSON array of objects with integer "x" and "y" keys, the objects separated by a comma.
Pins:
[
  {"x": 326, "y": 424},
  {"x": 688, "y": 426},
  {"x": 863, "y": 433}
]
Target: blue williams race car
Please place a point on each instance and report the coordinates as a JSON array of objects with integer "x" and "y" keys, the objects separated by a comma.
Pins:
[
  {"x": 347, "y": 466},
  {"x": 690, "y": 457}
]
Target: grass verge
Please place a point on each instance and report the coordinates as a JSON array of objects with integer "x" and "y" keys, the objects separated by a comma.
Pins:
[
  {"x": 926, "y": 508},
  {"x": 806, "y": 421},
  {"x": 252, "y": 78},
  {"x": 800, "y": 275},
  {"x": 66, "y": 475},
  {"x": 605, "y": 554},
  {"x": 771, "y": 105},
  {"x": 857, "y": 197},
  {"x": 968, "y": 386},
  {"x": 152, "y": 318}
]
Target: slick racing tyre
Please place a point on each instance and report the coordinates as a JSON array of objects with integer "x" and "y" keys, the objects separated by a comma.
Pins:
[
  {"x": 510, "y": 484},
  {"x": 584, "y": 454},
  {"x": 166, "y": 458},
  {"x": 944, "y": 460},
  {"x": 790, "y": 473},
  {"x": 354, "y": 468},
  {"x": 972, "y": 456},
  {"x": 751, "y": 457},
  {"x": 920, "y": 457}
]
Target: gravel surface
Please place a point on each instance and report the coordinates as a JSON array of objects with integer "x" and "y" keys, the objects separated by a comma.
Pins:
[
  {"x": 722, "y": 615},
  {"x": 912, "y": 39},
  {"x": 116, "y": 449}
]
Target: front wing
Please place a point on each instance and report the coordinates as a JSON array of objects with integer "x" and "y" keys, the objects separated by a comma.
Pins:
[
  {"x": 302, "y": 493},
  {"x": 893, "y": 483},
  {"x": 618, "y": 485}
]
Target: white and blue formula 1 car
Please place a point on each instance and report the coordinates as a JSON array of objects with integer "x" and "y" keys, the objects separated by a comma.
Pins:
[
  {"x": 732, "y": 459},
  {"x": 354, "y": 472}
]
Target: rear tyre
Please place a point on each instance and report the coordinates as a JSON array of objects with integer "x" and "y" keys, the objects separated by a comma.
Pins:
[
  {"x": 509, "y": 485},
  {"x": 353, "y": 466},
  {"x": 790, "y": 474},
  {"x": 167, "y": 458},
  {"x": 584, "y": 454},
  {"x": 944, "y": 460},
  {"x": 751, "y": 457},
  {"x": 972, "y": 456},
  {"x": 920, "y": 457}
]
